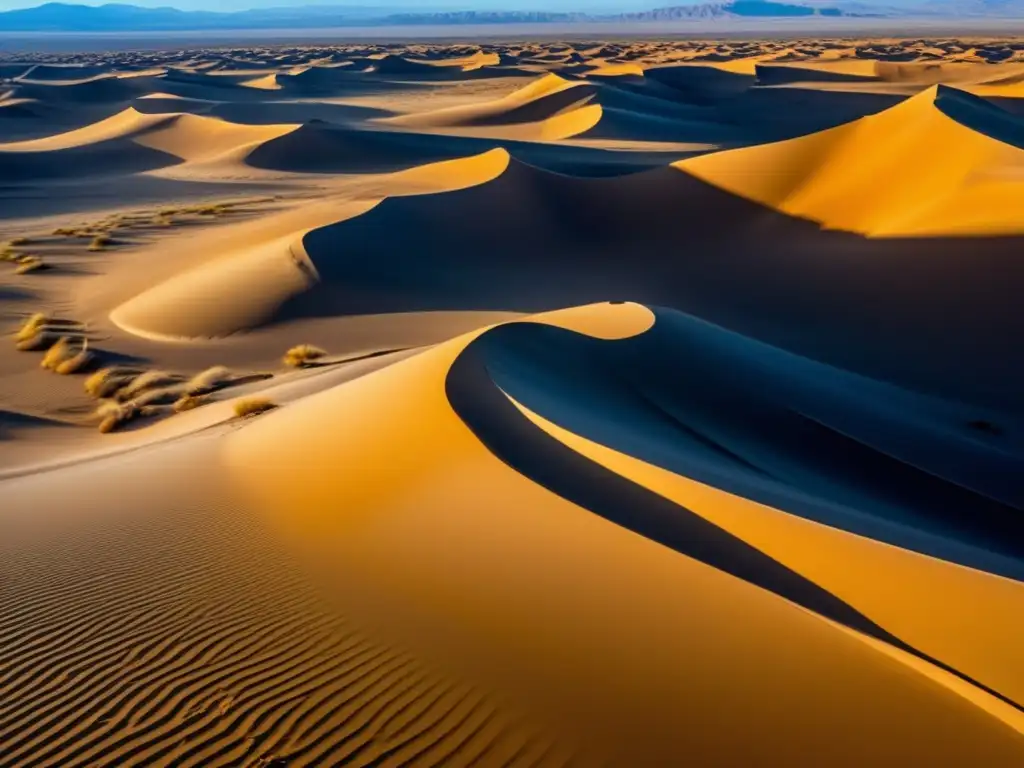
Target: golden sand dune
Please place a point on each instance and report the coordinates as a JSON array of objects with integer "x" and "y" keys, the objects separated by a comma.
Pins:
[
  {"x": 549, "y": 109},
  {"x": 584, "y": 403},
  {"x": 250, "y": 284},
  {"x": 187, "y": 137},
  {"x": 451, "y": 397},
  {"x": 134, "y": 141},
  {"x": 943, "y": 155}
]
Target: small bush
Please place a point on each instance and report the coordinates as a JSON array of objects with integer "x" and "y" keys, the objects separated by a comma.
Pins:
[
  {"x": 77, "y": 363},
  {"x": 16, "y": 241},
  {"x": 209, "y": 380},
  {"x": 303, "y": 355},
  {"x": 100, "y": 242},
  {"x": 253, "y": 406},
  {"x": 146, "y": 381},
  {"x": 107, "y": 381},
  {"x": 161, "y": 396},
  {"x": 190, "y": 402},
  {"x": 60, "y": 352},
  {"x": 210, "y": 210},
  {"x": 32, "y": 326},
  {"x": 42, "y": 340},
  {"x": 28, "y": 264},
  {"x": 113, "y": 416}
]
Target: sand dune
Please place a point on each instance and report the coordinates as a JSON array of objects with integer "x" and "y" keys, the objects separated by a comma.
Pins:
[
  {"x": 549, "y": 109},
  {"x": 131, "y": 142},
  {"x": 538, "y": 403},
  {"x": 388, "y": 536},
  {"x": 948, "y": 158}
]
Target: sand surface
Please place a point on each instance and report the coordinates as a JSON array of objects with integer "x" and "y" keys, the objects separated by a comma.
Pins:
[{"x": 662, "y": 403}]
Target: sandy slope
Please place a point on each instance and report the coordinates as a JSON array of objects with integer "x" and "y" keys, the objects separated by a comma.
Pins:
[
  {"x": 952, "y": 164},
  {"x": 669, "y": 409}
]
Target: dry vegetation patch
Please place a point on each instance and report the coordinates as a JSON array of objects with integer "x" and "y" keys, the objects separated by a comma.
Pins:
[
  {"x": 303, "y": 355},
  {"x": 101, "y": 243},
  {"x": 31, "y": 327},
  {"x": 210, "y": 380},
  {"x": 27, "y": 264},
  {"x": 127, "y": 394},
  {"x": 68, "y": 356},
  {"x": 147, "y": 381},
  {"x": 190, "y": 402},
  {"x": 253, "y": 406},
  {"x": 108, "y": 381}
]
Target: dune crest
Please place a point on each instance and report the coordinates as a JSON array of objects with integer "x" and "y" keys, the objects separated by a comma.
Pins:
[
  {"x": 550, "y": 109},
  {"x": 942, "y": 154}
]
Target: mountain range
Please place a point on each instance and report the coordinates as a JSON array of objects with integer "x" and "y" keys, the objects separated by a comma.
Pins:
[{"x": 62, "y": 17}]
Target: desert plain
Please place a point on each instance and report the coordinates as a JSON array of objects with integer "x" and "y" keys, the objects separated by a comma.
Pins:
[{"x": 511, "y": 404}]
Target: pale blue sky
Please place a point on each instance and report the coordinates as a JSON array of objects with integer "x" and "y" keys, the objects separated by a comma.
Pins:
[{"x": 429, "y": 5}]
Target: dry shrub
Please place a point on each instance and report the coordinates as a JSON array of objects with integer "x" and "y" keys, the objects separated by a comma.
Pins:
[
  {"x": 190, "y": 402},
  {"x": 113, "y": 416},
  {"x": 253, "y": 406},
  {"x": 211, "y": 210},
  {"x": 32, "y": 326},
  {"x": 107, "y": 382},
  {"x": 41, "y": 341},
  {"x": 16, "y": 241},
  {"x": 146, "y": 381},
  {"x": 59, "y": 353},
  {"x": 209, "y": 380},
  {"x": 303, "y": 355},
  {"x": 100, "y": 242},
  {"x": 28, "y": 264},
  {"x": 77, "y": 363},
  {"x": 161, "y": 396}
]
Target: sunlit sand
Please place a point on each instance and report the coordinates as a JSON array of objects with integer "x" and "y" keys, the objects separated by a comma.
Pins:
[{"x": 642, "y": 404}]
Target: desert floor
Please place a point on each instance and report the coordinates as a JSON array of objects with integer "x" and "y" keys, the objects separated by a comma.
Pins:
[{"x": 637, "y": 404}]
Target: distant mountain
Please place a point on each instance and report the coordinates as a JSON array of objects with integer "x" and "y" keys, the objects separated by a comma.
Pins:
[
  {"x": 737, "y": 8},
  {"x": 63, "y": 17}
]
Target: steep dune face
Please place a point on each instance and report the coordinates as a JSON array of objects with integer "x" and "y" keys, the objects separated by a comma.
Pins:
[
  {"x": 248, "y": 284},
  {"x": 389, "y": 523},
  {"x": 531, "y": 240},
  {"x": 938, "y": 164},
  {"x": 319, "y": 147},
  {"x": 919, "y": 465},
  {"x": 232, "y": 293}
]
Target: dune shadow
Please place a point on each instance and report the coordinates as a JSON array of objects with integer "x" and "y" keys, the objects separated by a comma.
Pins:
[
  {"x": 531, "y": 241},
  {"x": 794, "y": 434},
  {"x": 495, "y": 421}
]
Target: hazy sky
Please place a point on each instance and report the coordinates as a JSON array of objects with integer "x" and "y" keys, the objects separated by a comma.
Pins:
[{"x": 427, "y": 5}]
